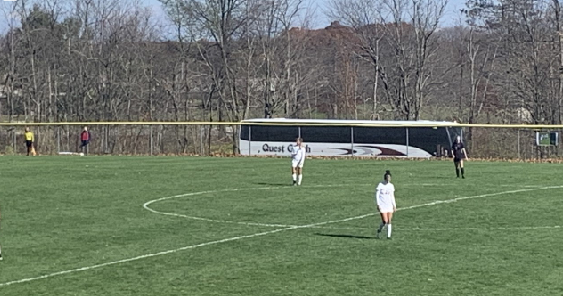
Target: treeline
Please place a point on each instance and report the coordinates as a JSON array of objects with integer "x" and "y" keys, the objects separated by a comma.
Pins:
[{"x": 227, "y": 60}]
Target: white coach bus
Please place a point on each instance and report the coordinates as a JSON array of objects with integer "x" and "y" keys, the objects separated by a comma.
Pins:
[{"x": 322, "y": 137}]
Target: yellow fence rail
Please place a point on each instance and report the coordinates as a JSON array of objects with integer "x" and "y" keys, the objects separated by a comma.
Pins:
[{"x": 418, "y": 124}]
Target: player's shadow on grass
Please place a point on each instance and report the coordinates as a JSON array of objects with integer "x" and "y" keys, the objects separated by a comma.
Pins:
[{"x": 345, "y": 236}]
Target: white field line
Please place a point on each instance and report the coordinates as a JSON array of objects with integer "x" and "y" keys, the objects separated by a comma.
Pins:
[
  {"x": 162, "y": 253},
  {"x": 147, "y": 204},
  {"x": 137, "y": 258},
  {"x": 446, "y": 229},
  {"x": 147, "y": 207},
  {"x": 235, "y": 238}
]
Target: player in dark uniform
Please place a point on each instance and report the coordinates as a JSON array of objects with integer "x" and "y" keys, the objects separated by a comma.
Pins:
[{"x": 459, "y": 153}]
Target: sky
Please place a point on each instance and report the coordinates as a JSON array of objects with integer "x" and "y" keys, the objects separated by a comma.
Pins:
[{"x": 451, "y": 17}]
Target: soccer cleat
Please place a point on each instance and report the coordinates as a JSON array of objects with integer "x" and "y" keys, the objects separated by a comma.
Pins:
[{"x": 378, "y": 232}]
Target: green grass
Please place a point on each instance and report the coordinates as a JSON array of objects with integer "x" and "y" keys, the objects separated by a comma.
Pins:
[{"x": 64, "y": 213}]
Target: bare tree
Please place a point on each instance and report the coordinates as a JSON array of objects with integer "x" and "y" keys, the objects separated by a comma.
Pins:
[
  {"x": 481, "y": 51},
  {"x": 410, "y": 35},
  {"x": 221, "y": 21},
  {"x": 279, "y": 48},
  {"x": 559, "y": 30},
  {"x": 364, "y": 16}
]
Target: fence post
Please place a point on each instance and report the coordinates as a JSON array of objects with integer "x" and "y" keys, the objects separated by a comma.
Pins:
[
  {"x": 209, "y": 133},
  {"x": 518, "y": 146},
  {"x": 352, "y": 139},
  {"x": 151, "y": 140},
  {"x": 201, "y": 132},
  {"x": 14, "y": 140},
  {"x": 58, "y": 139},
  {"x": 106, "y": 140},
  {"x": 407, "y": 136},
  {"x": 68, "y": 138}
]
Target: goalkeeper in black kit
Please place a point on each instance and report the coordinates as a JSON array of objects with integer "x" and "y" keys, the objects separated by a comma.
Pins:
[{"x": 459, "y": 154}]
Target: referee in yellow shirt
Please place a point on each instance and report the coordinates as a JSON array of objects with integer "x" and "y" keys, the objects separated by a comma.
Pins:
[{"x": 29, "y": 139}]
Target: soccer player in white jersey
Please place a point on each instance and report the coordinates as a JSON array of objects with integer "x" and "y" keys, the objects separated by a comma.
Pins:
[
  {"x": 297, "y": 160},
  {"x": 385, "y": 199}
]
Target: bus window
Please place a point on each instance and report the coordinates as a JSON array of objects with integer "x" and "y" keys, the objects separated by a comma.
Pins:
[
  {"x": 326, "y": 134},
  {"x": 270, "y": 133},
  {"x": 244, "y": 132},
  {"x": 380, "y": 135},
  {"x": 430, "y": 139}
]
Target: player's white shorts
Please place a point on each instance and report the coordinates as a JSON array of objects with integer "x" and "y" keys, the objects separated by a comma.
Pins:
[
  {"x": 386, "y": 209},
  {"x": 295, "y": 164}
]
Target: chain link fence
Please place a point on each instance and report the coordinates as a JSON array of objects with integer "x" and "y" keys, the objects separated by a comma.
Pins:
[
  {"x": 509, "y": 143},
  {"x": 122, "y": 139},
  {"x": 205, "y": 139}
]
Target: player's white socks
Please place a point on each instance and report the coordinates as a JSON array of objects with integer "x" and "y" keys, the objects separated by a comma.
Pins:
[
  {"x": 294, "y": 177},
  {"x": 388, "y": 230},
  {"x": 299, "y": 180}
]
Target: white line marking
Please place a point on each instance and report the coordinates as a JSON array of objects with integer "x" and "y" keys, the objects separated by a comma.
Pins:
[
  {"x": 166, "y": 252},
  {"x": 147, "y": 207},
  {"x": 147, "y": 204},
  {"x": 523, "y": 186},
  {"x": 445, "y": 229},
  {"x": 484, "y": 228},
  {"x": 86, "y": 268},
  {"x": 139, "y": 257}
]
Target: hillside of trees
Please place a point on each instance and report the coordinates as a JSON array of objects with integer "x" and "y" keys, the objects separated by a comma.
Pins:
[{"x": 228, "y": 60}]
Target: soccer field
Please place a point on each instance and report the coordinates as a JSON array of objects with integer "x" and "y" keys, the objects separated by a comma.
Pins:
[{"x": 235, "y": 226}]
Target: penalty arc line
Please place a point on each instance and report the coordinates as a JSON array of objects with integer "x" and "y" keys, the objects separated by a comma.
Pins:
[
  {"x": 235, "y": 238},
  {"x": 146, "y": 205},
  {"x": 148, "y": 208}
]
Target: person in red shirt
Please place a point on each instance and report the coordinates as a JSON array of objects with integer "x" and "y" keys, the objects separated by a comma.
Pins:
[{"x": 85, "y": 137}]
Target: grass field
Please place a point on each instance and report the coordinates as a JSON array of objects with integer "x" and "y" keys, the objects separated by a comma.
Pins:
[{"x": 233, "y": 226}]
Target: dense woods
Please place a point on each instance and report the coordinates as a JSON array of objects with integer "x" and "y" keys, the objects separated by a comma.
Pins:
[{"x": 228, "y": 60}]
